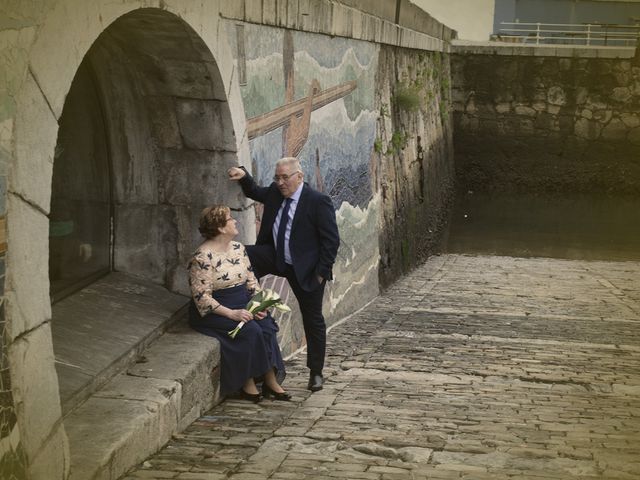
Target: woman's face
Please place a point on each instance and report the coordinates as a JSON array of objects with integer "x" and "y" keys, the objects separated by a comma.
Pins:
[{"x": 230, "y": 228}]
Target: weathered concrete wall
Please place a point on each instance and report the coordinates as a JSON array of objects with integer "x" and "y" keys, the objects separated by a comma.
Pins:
[
  {"x": 412, "y": 159},
  {"x": 547, "y": 120},
  {"x": 25, "y": 345},
  {"x": 43, "y": 44}
]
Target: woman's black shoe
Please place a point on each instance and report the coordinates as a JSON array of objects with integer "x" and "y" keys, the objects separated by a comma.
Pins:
[
  {"x": 253, "y": 397},
  {"x": 267, "y": 392}
]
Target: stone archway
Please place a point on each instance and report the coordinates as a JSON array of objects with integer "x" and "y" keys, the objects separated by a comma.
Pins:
[
  {"x": 144, "y": 143},
  {"x": 148, "y": 109},
  {"x": 131, "y": 107}
]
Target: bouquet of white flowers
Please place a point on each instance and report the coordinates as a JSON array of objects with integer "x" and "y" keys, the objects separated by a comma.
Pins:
[{"x": 262, "y": 300}]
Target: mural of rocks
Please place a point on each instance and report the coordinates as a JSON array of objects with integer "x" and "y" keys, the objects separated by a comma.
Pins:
[{"x": 547, "y": 124}]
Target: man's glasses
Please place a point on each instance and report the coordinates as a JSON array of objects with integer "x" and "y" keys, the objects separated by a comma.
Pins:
[{"x": 284, "y": 178}]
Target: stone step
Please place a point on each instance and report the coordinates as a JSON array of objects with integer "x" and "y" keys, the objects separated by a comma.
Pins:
[{"x": 174, "y": 382}]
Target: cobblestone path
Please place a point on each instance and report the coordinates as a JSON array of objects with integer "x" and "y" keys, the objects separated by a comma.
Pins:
[{"x": 470, "y": 367}]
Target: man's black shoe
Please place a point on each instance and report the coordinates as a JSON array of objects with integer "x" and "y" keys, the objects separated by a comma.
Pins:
[{"x": 315, "y": 382}]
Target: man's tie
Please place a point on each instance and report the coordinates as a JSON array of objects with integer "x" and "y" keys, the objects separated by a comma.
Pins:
[{"x": 282, "y": 228}]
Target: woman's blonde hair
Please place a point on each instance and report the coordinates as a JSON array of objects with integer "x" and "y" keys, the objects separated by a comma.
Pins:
[{"x": 212, "y": 219}]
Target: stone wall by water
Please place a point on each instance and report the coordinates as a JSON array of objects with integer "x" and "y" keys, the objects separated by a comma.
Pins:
[
  {"x": 412, "y": 153},
  {"x": 545, "y": 119}
]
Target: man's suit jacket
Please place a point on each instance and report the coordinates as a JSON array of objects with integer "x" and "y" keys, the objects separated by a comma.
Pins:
[{"x": 314, "y": 238}]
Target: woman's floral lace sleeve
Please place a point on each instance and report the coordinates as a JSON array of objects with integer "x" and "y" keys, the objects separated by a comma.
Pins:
[
  {"x": 252, "y": 283},
  {"x": 200, "y": 281}
]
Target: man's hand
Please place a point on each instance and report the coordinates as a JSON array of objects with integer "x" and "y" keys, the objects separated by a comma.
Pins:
[{"x": 236, "y": 173}]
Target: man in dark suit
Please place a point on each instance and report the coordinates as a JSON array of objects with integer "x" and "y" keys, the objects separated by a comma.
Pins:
[{"x": 298, "y": 239}]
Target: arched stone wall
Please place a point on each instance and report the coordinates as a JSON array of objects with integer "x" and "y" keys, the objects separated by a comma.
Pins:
[
  {"x": 169, "y": 139},
  {"x": 56, "y": 45}
]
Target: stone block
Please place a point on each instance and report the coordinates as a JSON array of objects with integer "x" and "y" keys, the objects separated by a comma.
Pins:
[
  {"x": 146, "y": 235},
  {"x": 634, "y": 136},
  {"x": 342, "y": 21},
  {"x": 34, "y": 385},
  {"x": 556, "y": 96},
  {"x": 614, "y": 130},
  {"x": 120, "y": 426},
  {"x": 588, "y": 129},
  {"x": 194, "y": 361},
  {"x": 603, "y": 116},
  {"x": 503, "y": 107},
  {"x": 233, "y": 10},
  {"x": 293, "y": 14},
  {"x": 188, "y": 238},
  {"x": 27, "y": 288},
  {"x": 100, "y": 329},
  {"x": 315, "y": 15},
  {"x": 586, "y": 113},
  {"x": 13, "y": 65},
  {"x": 621, "y": 94},
  {"x": 52, "y": 461},
  {"x": 184, "y": 79},
  {"x": 35, "y": 131},
  {"x": 631, "y": 120},
  {"x": 582, "y": 94},
  {"x": 3, "y": 209},
  {"x": 525, "y": 111},
  {"x": 253, "y": 11},
  {"x": 281, "y": 7},
  {"x": 134, "y": 162},
  {"x": 72, "y": 27},
  {"x": 205, "y": 125},
  {"x": 238, "y": 117},
  {"x": 270, "y": 12},
  {"x": 553, "y": 109},
  {"x": 6, "y": 144},
  {"x": 190, "y": 177},
  {"x": 164, "y": 124}
]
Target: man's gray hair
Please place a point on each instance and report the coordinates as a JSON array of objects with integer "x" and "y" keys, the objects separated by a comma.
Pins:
[{"x": 289, "y": 162}]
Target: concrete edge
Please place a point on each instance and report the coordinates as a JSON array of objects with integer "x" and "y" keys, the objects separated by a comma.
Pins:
[
  {"x": 462, "y": 47},
  {"x": 335, "y": 19},
  {"x": 137, "y": 412}
]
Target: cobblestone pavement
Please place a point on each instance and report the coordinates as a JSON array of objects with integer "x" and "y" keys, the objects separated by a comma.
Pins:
[{"x": 470, "y": 367}]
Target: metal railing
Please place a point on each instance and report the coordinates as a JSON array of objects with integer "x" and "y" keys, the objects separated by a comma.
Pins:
[{"x": 600, "y": 34}]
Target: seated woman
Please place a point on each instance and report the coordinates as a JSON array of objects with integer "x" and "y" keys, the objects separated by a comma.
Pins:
[{"x": 222, "y": 283}]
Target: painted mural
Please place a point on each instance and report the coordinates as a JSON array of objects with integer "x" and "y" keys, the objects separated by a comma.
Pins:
[{"x": 312, "y": 96}]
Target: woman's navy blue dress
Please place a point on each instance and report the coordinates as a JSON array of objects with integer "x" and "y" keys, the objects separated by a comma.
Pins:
[{"x": 252, "y": 352}]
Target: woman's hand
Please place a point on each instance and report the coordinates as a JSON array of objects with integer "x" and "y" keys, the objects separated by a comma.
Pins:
[
  {"x": 241, "y": 315},
  {"x": 261, "y": 315}
]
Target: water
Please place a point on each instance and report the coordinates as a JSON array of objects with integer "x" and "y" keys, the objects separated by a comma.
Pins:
[{"x": 573, "y": 227}]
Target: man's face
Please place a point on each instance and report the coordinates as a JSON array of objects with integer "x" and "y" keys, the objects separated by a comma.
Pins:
[{"x": 288, "y": 179}]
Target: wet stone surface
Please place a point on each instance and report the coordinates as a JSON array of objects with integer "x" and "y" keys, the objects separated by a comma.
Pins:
[{"x": 468, "y": 368}]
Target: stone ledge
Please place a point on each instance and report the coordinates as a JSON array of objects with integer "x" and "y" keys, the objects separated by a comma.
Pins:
[
  {"x": 331, "y": 18},
  {"x": 462, "y": 47},
  {"x": 194, "y": 364},
  {"x": 136, "y": 413},
  {"x": 99, "y": 331}
]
